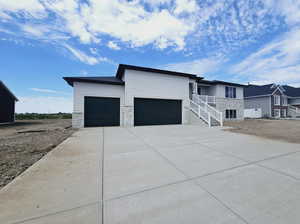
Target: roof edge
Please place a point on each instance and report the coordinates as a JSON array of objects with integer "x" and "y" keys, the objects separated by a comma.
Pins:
[
  {"x": 10, "y": 92},
  {"x": 71, "y": 80},
  {"x": 215, "y": 82},
  {"x": 123, "y": 67}
]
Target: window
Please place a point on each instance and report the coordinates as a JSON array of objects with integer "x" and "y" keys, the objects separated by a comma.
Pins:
[
  {"x": 230, "y": 114},
  {"x": 276, "y": 100},
  {"x": 284, "y": 101},
  {"x": 230, "y": 92},
  {"x": 199, "y": 90}
]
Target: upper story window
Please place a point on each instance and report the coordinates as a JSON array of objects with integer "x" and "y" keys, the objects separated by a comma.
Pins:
[
  {"x": 230, "y": 92},
  {"x": 284, "y": 101},
  {"x": 277, "y": 100}
]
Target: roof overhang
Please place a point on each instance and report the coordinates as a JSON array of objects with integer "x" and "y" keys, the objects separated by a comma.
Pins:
[
  {"x": 71, "y": 80},
  {"x": 218, "y": 82},
  {"x": 123, "y": 67}
]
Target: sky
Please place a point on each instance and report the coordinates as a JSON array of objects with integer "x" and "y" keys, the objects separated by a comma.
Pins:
[{"x": 256, "y": 41}]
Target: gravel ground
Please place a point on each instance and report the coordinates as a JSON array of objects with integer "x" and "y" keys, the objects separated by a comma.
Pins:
[
  {"x": 284, "y": 130},
  {"x": 25, "y": 142}
]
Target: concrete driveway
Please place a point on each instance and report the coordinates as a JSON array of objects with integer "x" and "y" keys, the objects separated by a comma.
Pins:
[{"x": 158, "y": 174}]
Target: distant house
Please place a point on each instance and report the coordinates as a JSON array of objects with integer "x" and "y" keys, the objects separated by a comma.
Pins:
[
  {"x": 7, "y": 104},
  {"x": 275, "y": 101}
]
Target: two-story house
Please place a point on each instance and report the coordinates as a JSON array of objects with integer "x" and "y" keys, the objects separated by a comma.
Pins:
[{"x": 276, "y": 101}]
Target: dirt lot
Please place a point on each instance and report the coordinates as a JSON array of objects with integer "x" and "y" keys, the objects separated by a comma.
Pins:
[
  {"x": 26, "y": 141},
  {"x": 285, "y": 130}
]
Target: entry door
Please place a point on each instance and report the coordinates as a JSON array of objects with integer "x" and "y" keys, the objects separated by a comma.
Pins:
[
  {"x": 157, "y": 111},
  {"x": 101, "y": 111},
  {"x": 277, "y": 113},
  {"x": 284, "y": 113}
]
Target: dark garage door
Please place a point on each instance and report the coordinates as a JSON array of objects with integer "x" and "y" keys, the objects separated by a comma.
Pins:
[
  {"x": 157, "y": 111},
  {"x": 101, "y": 111}
]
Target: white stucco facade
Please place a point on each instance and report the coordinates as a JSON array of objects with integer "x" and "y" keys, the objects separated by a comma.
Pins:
[
  {"x": 82, "y": 89},
  {"x": 138, "y": 84},
  {"x": 157, "y": 86}
]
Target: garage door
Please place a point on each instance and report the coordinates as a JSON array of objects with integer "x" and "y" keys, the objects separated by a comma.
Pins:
[
  {"x": 101, "y": 111},
  {"x": 157, "y": 111}
]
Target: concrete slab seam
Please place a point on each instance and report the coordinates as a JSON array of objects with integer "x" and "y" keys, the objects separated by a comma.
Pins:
[
  {"x": 55, "y": 213},
  {"x": 158, "y": 153},
  {"x": 223, "y": 203},
  {"x": 191, "y": 179},
  {"x": 102, "y": 180},
  {"x": 278, "y": 172}
]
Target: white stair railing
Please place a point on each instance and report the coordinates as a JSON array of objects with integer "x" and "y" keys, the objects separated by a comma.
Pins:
[
  {"x": 200, "y": 112},
  {"x": 207, "y": 110},
  {"x": 208, "y": 99},
  {"x": 294, "y": 109}
]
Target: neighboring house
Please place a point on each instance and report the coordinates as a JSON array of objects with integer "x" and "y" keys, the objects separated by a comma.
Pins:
[
  {"x": 146, "y": 96},
  {"x": 275, "y": 101},
  {"x": 7, "y": 104}
]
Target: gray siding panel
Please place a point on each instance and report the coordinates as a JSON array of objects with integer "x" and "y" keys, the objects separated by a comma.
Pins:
[
  {"x": 294, "y": 101},
  {"x": 259, "y": 102}
]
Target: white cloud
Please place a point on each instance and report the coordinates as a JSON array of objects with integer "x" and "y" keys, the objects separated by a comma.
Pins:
[
  {"x": 48, "y": 91},
  {"x": 287, "y": 8},
  {"x": 38, "y": 31},
  {"x": 4, "y": 16},
  {"x": 113, "y": 45},
  {"x": 199, "y": 67},
  {"x": 91, "y": 60},
  {"x": 28, "y": 7},
  {"x": 130, "y": 22},
  {"x": 205, "y": 26},
  {"x": 44, "y": 104},
  {"x": 278, "y": 61},
  {"x": 185, "y": 6}
]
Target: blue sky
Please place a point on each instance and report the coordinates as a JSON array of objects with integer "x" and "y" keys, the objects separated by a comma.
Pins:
[{"x": 241, "y": 41}]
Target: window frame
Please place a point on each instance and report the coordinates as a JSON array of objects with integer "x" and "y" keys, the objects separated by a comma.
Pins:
[
  {"x": 284, "y": 100},
  {"x": 230, "y": 92},
  {"x": 278, "y": 97},
  {"x": 231, "y": 114}
]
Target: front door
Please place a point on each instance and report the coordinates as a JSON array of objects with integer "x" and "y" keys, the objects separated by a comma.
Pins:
[{"x": 277, "y": 113}]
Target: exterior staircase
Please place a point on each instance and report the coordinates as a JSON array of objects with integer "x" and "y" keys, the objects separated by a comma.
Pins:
[
  {"x": 293, "y": 111},
  {"x": 210, "y": 115}
]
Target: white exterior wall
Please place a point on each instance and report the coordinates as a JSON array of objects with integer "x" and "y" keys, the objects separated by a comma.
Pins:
[
  {"x": 82, "y": 89},
  {"x": 219, "y": 91},
  {"x": 154, "y": 85}
]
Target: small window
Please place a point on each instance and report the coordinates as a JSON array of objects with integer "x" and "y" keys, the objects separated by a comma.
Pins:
[
  {"x": 230, "y": 114},
  {"x": 277, "y": 100},
  {"x": 199, "y": 90},
  {"x": 230, "y": 92}
]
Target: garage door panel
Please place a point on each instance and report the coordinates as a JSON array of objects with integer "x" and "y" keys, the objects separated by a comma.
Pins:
[
  {"x": 157, "y": 111},
  {"x": 101, "y": 111}
]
